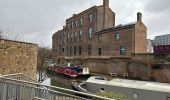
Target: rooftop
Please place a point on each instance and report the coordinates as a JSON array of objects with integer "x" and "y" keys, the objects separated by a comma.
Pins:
[
  {"x": 120, "y": 26},
  {"x": 144, "y": 85}
]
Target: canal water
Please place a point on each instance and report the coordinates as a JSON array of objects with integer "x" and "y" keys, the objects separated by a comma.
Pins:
[{"x": 61, "y": 81}]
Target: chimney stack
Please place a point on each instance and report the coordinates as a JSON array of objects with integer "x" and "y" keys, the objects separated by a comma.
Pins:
[
  {"x": 139, "y": 17},
  {"x": 105, "y": 9},
  {"x": 106, "y": 3}
]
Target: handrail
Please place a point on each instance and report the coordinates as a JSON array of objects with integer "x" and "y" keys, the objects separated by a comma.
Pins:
[
  {"x": 18, "y": 74},
  {"x": 52, "y": 88},
  {"x": 36, "y": 98}
]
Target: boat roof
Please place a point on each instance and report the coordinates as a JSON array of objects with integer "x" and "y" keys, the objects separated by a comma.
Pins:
[{"x": 144, "y": 85}]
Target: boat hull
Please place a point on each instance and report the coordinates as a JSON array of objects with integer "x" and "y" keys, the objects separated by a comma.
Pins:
[{"x": 72, "y": 72}]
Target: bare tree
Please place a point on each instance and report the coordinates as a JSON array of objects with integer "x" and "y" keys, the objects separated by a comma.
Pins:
[
  {"x": 1, "y": 34},
  {"x": 44, "y": 54},
  {"x": 6, "y": 33}
]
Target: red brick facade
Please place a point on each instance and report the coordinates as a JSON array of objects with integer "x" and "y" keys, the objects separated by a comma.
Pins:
[
  {"x": 91, "y": 39},
  {"x": 92, "y": 33}
]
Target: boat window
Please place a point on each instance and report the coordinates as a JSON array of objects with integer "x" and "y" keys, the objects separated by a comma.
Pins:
[
  {"x": 100, "y": 78},
  {"x": 156, "y": 67},
  {"x": 135, "y": 95},
  {"x": 102, "y": 90}
]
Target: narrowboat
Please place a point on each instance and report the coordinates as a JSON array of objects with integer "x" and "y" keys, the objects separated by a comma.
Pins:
[
  {"x": 133, "y": 89},
  {"x": 72, "y": 72}
]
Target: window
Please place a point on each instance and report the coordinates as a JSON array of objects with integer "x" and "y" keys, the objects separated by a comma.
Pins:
[
  {"x": 117, "y": 36},
  {"x": 63, "y": 34},
  {"x": 75, "y": 35},
  {"x": 122, "y": 50},
  {"x": 63, "y": 50},
  {"x": 99, "y": 38},
  {"x": 63, "y": 41},
  {"x": 72, "y": 25},
  {"x": 81, "y": 21},
  {"x": 89, "y": 49},
  {"x": 81, "y": 35},
  {"x": 135, "y": 95},
  {"x": 59, "y": 35},
  {"x": 74, "y": 50},
  {"x": 67, "y": 50},
  {"x": 76, "y": 24},
  {"x": 59, "y": 53},
  {"x": 80, "y": 49},
  {"x": 90, "y": 17},
  {"x": 99, "y": 51},
  {"x": 67, "y": 37},
  {"x": 71, "y": 35},
  {"x": 90, "y": 32},
  {"x": 70, "y": 50},
  {"x": 68, "y": 25}
]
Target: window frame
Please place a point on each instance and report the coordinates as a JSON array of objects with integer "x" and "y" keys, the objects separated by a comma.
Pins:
[
  {"x": 81, "y": 21},
  {"x": 75, "y": 36},
  {"x": 89, "y": 49},
  {"x": 122, "y": 52},
  {"x": 117, "y": 36},
  {"x": 76, "y": 24},
  {"x": 90, "y": 17},
  {"x": 72, "y": 24},
  {"x": 75, "y": 50},
  {"x": 90, "y": 32},
  {"x": 80, "y": 35},
  {"x": 80, "y": 50},
  {"x": 99, "y": 51}
]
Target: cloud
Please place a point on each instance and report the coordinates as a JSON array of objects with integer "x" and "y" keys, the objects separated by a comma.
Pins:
[
  {"x": 158, "y": 6},
  {"x": 157, "y": 15},
  {"x": 36, "y": 20}
]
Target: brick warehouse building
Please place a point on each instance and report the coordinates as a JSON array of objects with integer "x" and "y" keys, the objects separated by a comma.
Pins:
[{"x": 91, "y": 39}]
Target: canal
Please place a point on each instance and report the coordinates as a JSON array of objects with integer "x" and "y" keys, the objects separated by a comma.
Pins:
[{"x": 61, "y": 81}]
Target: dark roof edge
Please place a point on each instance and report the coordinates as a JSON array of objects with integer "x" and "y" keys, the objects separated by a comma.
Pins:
[{"x": 115, "y": 28}]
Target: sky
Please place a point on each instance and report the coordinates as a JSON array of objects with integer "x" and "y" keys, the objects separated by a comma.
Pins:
[{"x": 36, "y": 21}]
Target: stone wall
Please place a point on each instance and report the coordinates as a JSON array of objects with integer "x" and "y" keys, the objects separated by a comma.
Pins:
[{"x": 18, "y": 57}]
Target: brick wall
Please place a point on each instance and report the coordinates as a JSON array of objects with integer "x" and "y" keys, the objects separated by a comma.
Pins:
[
  {"x": 150, "y": 58},
  {"x": 18, "y": 57},
  {"x": 136, "y": 69},
  {"x": 140, "y": 38}
]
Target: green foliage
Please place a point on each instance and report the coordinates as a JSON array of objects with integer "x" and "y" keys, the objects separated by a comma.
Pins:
[{"x": 112, "y": 95}]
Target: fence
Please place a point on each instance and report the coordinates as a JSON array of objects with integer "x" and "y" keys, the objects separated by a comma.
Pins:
[
  {"x": 19, "y": 76},
  {"x": 20, "y": 89}
]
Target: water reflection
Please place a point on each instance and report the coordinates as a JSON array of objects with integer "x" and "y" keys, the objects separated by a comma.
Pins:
[
  {"x": 61, "y": 81},
  {"x": 47, "y": 82}
]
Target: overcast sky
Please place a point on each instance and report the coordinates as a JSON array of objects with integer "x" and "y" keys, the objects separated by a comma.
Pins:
[{"x": 36, "y": 20}]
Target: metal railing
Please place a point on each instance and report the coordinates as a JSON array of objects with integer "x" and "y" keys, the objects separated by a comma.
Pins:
[
  {"x": 14, "y": 89},
  {"x": 19, "y": 76}
]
